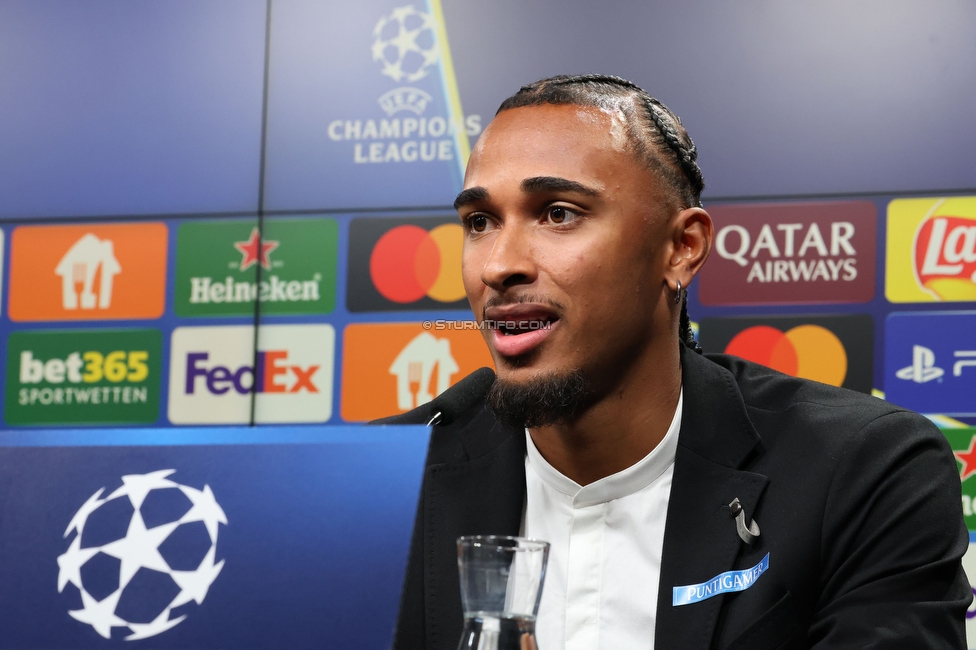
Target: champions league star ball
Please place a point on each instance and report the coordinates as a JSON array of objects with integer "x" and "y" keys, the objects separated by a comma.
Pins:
[
  {"x": 405, "y": 43},
  {"x": 140, "y": 553}
]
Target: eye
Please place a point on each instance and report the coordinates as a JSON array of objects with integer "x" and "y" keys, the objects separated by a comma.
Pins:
[
  {"x": 476, "y": 223},
  {"x": 560, "y": 214}
]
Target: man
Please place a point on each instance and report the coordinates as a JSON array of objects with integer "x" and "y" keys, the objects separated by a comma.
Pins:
[{"x": 652, "y": 469}]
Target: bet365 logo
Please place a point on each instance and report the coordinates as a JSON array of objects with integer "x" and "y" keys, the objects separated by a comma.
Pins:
[
  {"x": 116, "y": 366},
  {"x": 104, "y": 376}
]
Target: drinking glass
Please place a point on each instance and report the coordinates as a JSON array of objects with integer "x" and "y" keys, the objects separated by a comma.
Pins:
[{"x": 501, "y": 584}]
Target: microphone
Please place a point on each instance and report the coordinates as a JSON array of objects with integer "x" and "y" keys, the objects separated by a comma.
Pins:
[{"x": 456, "y": 399}]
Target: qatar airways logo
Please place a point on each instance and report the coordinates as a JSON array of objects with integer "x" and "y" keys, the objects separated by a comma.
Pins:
[
  {"x": 791, "y": 253},
  {"x": 215, "y": 373},
  {"x": 780, "y": 256}
]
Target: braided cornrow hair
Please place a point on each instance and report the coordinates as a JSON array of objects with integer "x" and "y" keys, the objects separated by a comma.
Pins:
[
  {"x": 659, "y": 139},
  {"x": 685, "y": 334}
]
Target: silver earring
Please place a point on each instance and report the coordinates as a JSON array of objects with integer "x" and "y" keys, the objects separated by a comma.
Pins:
[{"x": 677, "y": 293}]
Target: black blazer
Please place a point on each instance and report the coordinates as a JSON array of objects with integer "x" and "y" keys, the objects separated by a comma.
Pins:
[{"x": 858, "y": 503}]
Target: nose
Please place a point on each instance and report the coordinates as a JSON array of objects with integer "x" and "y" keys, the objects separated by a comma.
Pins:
[{"x": 510, "y": 262}]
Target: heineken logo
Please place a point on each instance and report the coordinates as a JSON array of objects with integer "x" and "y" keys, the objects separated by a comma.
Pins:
[
  {"x": 255, "y": 250},
  {"x": 963, "y": 443},
  {"x": 967, "y": 458},
  {"x": 78, "y": 377},
  {"x": 218, "y": 262},
  {"x": 204, "y": 290}
]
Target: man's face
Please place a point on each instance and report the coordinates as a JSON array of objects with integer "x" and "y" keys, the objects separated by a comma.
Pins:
[{"x": 564, "y": 225}]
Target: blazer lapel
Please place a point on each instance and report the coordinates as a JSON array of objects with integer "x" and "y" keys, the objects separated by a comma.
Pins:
[
  {"x": 483, "y": 495},
  {"x": 700, "y": 538}
]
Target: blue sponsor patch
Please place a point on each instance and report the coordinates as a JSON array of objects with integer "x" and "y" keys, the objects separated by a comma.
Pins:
[{"x": 720, "y": 584}]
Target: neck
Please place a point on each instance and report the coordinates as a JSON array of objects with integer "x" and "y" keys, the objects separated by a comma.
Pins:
[{"x": 623, "y": 426}]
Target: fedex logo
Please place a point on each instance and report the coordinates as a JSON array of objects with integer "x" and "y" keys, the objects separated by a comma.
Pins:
[
  {"x": 215, "y": 374},
  {"x": 274, "y": 375}
]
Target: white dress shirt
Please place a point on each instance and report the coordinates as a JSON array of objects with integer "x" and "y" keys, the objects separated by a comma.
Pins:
[{"x": 606, "y": 538}]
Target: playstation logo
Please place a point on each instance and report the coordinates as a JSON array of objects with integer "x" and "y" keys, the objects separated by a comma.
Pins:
[{"x": 923, "y": 368}]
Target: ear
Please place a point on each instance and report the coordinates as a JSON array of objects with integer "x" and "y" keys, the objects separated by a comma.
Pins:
[{"x": 691, "y": 242}]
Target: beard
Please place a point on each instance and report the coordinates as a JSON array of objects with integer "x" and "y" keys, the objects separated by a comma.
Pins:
[{"x": 540, "y": 401}]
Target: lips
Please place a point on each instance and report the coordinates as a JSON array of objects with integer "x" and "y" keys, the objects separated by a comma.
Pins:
[{"x": 520, "y": 329}]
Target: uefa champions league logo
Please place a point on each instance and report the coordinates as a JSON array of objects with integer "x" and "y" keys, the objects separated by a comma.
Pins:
[
  {"x": 140, "y": 553},
  {"x": 405, "y": 43}
]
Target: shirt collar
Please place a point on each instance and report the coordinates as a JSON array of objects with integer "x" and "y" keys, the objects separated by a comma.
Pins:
[{"x": 626, "y": 482}]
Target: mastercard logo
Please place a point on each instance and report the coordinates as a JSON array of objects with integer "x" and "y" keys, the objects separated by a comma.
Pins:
[
  {"x": 807, "y": 351},
  {"x": 409, "y": 263}
]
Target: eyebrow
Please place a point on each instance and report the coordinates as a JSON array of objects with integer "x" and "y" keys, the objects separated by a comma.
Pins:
[
  {"x": 470, "y": 195},
  {"x": 534, "y": 185},
  {"x": 555, "y": 184}
]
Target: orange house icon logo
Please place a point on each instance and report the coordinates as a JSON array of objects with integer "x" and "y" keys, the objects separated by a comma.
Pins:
[
  {"x": 416, "y": 364},
  {"x": 88, "y": 272},
  {"x": 390, "y": 368},
  {"x": 80, "y": 265}
]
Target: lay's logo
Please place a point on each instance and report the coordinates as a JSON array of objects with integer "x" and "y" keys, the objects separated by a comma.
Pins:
[
  {"x": 931, "y": 250},
  {"x": 945, "y": 256}
]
